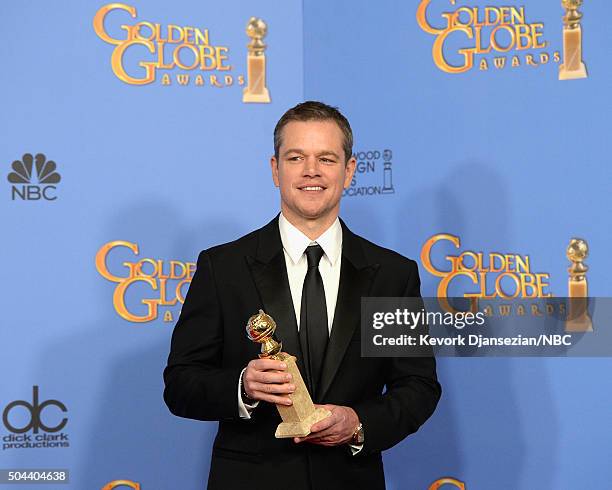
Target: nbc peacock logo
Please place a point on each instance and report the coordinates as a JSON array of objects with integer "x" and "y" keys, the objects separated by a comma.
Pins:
[{"x": 46, "y": 176}]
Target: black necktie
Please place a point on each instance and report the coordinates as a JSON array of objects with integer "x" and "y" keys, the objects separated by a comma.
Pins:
[{"x": 313, "y": 318}]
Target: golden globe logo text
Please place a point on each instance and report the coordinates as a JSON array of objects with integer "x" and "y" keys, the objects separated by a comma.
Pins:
[
  {"x": 494, "y": 275},
  {"x": 484, "y": 31},
  {"x": 168, "y": 282},
  {"x": 170, "y": 47}
]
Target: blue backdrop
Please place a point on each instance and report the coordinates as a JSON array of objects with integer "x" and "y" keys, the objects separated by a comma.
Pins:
[{"x": 510, "y": 160}]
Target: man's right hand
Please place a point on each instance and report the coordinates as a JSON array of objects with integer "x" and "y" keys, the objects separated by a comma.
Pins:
[{"x": 268, "y": 380}]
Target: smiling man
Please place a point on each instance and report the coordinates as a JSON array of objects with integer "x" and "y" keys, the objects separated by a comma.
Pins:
[{"x": 308, "y": 271}]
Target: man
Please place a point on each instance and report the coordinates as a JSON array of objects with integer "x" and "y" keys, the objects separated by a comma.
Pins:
[{"x": 308, "y": 271}]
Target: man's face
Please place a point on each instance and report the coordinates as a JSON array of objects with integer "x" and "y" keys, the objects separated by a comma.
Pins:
[{"x": 311, "y": 170}]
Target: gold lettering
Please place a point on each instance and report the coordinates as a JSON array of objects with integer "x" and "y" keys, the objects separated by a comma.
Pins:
[
  {"x": 495, "y": 43},
  {"x": 535, "y": 311},
  {"x": 177, "y": 59},
  {"x": 438, "y": 52},
  {"x": 188, "y": 35},
  {"x": 504, "y": 310},
  {"x": 160, "y": 57},
  {"x": 98, "y": 21},
  {"x": 121, "y": 483},
  {"x": 422, "y": 19},
  {"x": 179, "y": 290},
  {"x": 162, "y": 294},
  {"x": 117, "y": 63},
  {"x": 171, "y": 30},
  {"x": 523, "y": 37},
  {"x": 201, "y": 37},
  {"x": 426, "y": 252},
  {"x": 518, "y": 16},
  {"x": 220, "y": 50},
  {"x": 148, "y": 25},
  {"x": 119, "y": 300},
  {"x": 447, "y": 481},
  {"x": 500, "y": 291},
  {"x": 101, "y": 258},
  {"x": 541, "y": 285},
  {"x": 536, "y": 33},
  {"x": 214, "y": 82}
]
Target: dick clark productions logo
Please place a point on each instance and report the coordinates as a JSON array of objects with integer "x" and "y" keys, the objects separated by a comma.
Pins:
[
  {"x": 22, "y": 178},
  {"x": 29, "y": 428}
]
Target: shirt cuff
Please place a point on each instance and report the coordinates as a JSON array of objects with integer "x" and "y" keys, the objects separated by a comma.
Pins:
[{"x": 244, "y": 409}]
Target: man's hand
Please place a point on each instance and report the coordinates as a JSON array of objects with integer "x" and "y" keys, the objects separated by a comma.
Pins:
[
  {"x": 334, "y": 430},
  {"x": 268, "y": 380}
]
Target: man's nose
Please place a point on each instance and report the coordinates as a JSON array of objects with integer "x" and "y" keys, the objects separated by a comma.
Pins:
[{"x": 311, "y": 167}]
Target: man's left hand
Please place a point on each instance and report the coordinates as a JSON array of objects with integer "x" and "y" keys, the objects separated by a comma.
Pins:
[{"x": 334, "y": 430}]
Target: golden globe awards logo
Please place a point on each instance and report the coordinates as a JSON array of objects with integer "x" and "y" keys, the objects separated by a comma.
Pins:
[
  {"x": 163, "y": 284},
  {"x": 493, "y": 276},
  {"x": 173, "y": 54},
  {"x": 485, "y": 37}
]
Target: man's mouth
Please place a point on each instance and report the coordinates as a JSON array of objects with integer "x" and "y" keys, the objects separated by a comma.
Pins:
[{"x": 312, "y": 188}]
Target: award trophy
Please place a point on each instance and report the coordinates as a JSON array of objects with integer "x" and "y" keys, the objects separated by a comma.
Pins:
[
  {"x": 387, "y": 173},
  {"x": 256, "y": 90},
  {"x": 299, "y": 417},
  {"x": 572, "y": 66},
  {"x": 578, "y": 319}
]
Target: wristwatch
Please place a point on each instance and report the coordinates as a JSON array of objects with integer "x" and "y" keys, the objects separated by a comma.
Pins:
[{"x": 358, "y": 435}]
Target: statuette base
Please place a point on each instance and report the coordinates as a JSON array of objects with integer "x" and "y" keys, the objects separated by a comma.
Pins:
[
  {"x": 572, "y": 74},
  {"x": 261, "y": 98},
  {"x": 302, "y": 414},
  {"x": 301, "y": 428}
]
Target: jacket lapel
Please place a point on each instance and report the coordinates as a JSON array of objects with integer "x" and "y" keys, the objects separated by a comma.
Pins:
[
  {"x": 356, "y": 277},
  {"x": 269, "y": 273}
]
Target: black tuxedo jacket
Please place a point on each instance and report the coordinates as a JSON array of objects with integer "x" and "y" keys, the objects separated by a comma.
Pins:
[{"x": 392, "y": 396}]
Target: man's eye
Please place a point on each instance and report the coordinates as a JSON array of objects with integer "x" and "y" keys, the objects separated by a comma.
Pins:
[
  {"x": 294, "y": 159},
  {"x": 327, "y": 160}
]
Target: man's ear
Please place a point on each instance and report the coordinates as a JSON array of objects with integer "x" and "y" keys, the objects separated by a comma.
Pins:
[
  {"x": 274, "y": 167},
  {"x": 349, "y": 169}
]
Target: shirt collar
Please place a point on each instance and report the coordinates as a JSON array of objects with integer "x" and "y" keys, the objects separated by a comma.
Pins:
[{"x": 295, "y": 242}]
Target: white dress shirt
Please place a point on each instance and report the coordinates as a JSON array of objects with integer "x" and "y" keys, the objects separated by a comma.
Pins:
[{"x": 294, "y": 248}]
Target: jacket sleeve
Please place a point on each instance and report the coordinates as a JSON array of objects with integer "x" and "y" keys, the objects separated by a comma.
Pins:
[
  {"x": 196, "y": 384},
  {"x": 411, "y": 395}
]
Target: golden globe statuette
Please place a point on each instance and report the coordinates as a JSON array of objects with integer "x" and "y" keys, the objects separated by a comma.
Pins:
[
  {"x": 578, "y": 319},
  {"x": 302, "y": 414},
  {"x": 256, "y": 90},
  {"x": 572, "y": 66}
]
